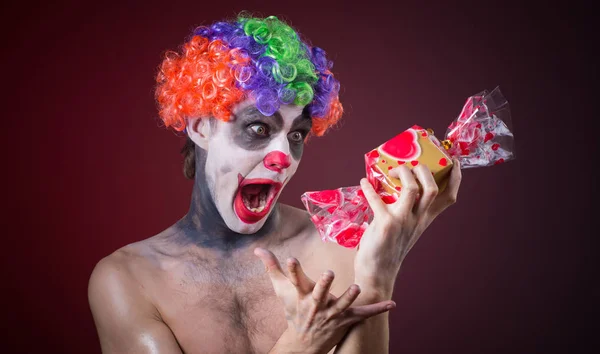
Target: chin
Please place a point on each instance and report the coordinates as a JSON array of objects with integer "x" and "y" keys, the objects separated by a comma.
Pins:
[
  {"x": 246, "y": 229},
  {"x": 243, "y": 226}
]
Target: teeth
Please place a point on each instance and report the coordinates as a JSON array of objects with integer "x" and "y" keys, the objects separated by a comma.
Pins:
[
  {"x": 257, "y": 210},
  {"x": 262, "y": 203}
]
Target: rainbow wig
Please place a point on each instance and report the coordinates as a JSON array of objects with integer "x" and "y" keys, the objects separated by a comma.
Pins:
[{"x": 228, "y": 62}]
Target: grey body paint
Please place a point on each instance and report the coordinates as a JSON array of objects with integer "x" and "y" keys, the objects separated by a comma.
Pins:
[{"x": 203, "y": 224}]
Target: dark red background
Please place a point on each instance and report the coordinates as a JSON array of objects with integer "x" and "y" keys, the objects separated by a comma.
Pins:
[{"x": 509, "y": 269}]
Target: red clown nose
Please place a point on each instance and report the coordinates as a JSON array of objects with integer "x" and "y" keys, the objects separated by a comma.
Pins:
[{"x": 276, "y": 161}]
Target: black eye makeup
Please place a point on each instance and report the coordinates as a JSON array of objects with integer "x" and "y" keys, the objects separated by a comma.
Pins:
[
  {"x": 300, "y": 129},
  {"x": 297, "y": 136},
  {"x": 259, "y": 129},
  {"x": 256, "y": 130}
]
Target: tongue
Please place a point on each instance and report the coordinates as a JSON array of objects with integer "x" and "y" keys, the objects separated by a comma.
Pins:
[
  {"x": 252, "y": 194},
  {"x": 254, "y": 201}
]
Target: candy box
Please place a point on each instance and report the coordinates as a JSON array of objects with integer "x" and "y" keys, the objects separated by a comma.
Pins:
[{"x": 412, "y": 147}]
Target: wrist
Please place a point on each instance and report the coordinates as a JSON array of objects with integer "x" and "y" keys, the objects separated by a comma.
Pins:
[
  {"x": 374, "y": 290},
  {"x": 289, "y": 343},
  {"x": 376, "y": 281}
]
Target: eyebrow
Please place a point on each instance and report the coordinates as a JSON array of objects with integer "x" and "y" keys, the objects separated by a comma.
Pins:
[
  {"x": 252, "y": 112},
  {"x": 302, "y": 121}
]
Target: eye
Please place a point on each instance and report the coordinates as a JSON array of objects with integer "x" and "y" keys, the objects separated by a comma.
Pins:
[
  {"x": 296, "y": 136},
  {"x": 259, "y": 129}
]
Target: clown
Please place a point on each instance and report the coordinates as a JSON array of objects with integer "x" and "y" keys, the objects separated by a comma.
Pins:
[
  {"x": 273, "y": 88},
  {"x": 248, "y": 94}
]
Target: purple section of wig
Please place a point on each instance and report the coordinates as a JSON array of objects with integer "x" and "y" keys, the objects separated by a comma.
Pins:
[{"x": 263, "y": 81}]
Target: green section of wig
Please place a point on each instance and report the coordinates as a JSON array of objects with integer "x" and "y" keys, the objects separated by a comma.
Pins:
[{"x": 294, "y": 69}]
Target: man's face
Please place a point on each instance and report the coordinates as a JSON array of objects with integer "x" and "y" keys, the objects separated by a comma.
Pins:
[{"x": 249, "y": 161}]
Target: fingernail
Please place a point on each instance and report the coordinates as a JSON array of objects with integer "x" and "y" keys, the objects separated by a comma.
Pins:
[{"x": 389, "y": 307}]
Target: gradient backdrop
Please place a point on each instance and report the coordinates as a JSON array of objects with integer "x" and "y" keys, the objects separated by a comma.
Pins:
[{"x": 508, "y": 269}]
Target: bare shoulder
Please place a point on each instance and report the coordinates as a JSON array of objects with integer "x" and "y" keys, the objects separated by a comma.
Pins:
[
  {"x": 131, "y": 266},
  {"x": 125, "y": 316},
  {"x": 116, "y": 283},
  {"x": 118, "y": 271},
  {"x": 295, "y": 218},
  {"x": 321, "y": 255}
]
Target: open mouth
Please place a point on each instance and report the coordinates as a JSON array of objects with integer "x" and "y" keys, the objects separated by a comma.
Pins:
[{"x": 254, "y": 198}]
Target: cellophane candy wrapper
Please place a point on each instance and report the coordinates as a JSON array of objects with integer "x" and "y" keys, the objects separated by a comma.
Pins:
[
  {"x": 340, "y": 215},
  {"x": 480, "y": 136}
]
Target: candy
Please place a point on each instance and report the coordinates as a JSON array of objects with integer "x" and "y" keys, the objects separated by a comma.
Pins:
[{"x": 480, "y": 136}]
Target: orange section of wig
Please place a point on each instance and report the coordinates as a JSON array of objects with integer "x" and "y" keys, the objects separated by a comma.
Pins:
[
  {"x": 334, "y": 113},
  {"x": 200, "y": 82}
]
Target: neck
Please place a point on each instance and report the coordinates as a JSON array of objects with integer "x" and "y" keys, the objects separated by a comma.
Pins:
[{"x": 204, "y": 226}]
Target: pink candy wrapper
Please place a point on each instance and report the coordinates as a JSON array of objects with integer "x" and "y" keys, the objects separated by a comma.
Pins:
[{"x": 480, "y": 136}]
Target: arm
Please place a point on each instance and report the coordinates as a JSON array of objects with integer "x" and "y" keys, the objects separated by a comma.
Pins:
[
  {"x": 126, "y": 321},
  {"x": 370, "y": 335},
  {"x": 393, "y": 232}
]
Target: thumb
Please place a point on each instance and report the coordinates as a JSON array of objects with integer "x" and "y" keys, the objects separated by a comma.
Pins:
[{"x": 271, "y": 264}]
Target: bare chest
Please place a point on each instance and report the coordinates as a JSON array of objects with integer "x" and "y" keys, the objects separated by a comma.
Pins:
[
  {"x": 216, "y": 306},
  {"x": 223, "y": 310}
]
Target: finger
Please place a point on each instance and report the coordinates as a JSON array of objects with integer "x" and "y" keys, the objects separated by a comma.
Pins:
[
  {"x": 322, "y": 287},
  {"x": 454, "y": 182},
  {"x": 430, "y": 188},
  {"x": 271, "y": 264},
  {"x": 374, "y": 200},
  {"x": 409, "y": 192},
  {"x": 297, "y": 276},
  {"x": 359, "y": 313},
  {"x": 450, "y": 194},
  {"x": 347, "y": 298}
]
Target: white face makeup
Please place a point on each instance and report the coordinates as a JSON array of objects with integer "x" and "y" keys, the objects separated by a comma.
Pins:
[{"x": 249, "y": 161}]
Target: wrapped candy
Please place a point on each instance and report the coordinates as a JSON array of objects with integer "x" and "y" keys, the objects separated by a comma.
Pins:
[{"x": 480, "y": 136}]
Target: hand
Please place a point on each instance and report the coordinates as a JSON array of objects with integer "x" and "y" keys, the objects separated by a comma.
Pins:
[
  {"x": 397, "y": 227},
  {"x": 317, "y": 320}
]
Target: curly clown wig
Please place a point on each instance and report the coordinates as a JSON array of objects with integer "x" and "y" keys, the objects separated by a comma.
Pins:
[{"x": 228, "y": 62}]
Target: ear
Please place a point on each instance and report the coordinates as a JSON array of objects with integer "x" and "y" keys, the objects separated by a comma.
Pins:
[{"x": 198, "y": 129}]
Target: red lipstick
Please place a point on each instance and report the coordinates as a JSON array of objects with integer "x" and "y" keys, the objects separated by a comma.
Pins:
[{"x": 244, "y": 213}]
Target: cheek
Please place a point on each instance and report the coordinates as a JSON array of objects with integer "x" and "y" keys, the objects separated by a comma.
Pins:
[
  {"x": 293, "y": 167},
  {"x": 232, "y": 159},
  {"x": 296, "y": 151},
  {"x": 225, "y": 169},
  {"x": 221, "y": 170}
]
